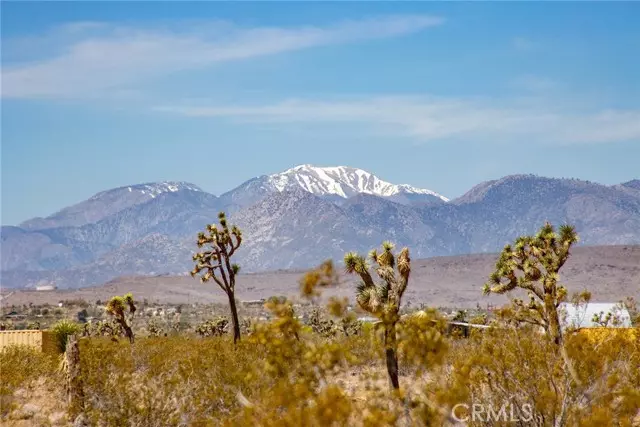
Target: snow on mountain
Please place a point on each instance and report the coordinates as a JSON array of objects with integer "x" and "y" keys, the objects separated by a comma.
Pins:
[
  {"x": 109, "y": 202},
  {"x": 300, "y": 217},
  {"x": 342, "y": 181},
  {"x": 153, "y": 189}
]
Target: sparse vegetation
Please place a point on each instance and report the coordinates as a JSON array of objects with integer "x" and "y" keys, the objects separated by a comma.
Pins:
[
  {"x": 213, "y": 327},
  {"x": 313, "y": 365}
]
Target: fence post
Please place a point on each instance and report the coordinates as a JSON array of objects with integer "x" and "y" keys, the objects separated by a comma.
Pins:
[{"x": 75, "y": 392}]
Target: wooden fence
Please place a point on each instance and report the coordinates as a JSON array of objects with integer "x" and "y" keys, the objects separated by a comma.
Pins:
[{"x": 43, "y": 340}]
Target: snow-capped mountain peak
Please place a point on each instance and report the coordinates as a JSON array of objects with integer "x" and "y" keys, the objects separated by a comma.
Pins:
[
  {"x": 156, "y": 188},
  {"x": 153, "y": 189},
  {"x": 341, "y": 181}
]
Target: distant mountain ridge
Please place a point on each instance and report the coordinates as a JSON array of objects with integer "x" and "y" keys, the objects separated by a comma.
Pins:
[
  {"x": 106, "y": 203},
  {"x": 298, "y": 218},
  {"x": 333, "y": 183},
  {"x": 634, "y": 183}
]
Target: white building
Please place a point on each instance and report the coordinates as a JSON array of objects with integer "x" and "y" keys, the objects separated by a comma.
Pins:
[{"x": 582, "y": 316}]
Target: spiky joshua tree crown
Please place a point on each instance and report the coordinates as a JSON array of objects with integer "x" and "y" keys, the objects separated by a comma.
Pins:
[
  {"x": 381, "y": 299},
  {"x": 532, "y": 264},
  {"x": 214, "y": 263}
]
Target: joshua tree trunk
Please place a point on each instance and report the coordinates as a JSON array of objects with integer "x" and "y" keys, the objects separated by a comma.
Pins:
[
  {"x": 554, "y": 322},
  {"x": 391, "y": 354},
  {"x": 556, "y": 333},
  {"x": 128, "y": 332},
  {"x": 234, "y": 317}
]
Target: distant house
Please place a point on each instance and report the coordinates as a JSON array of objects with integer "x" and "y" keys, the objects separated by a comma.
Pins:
[
  {"x": 582, "y": 316},
  {"x": 368, "y": 319},
  {"x": 15, "y": 315},
  {"x": 254, "y": 302},
  {"x": 46, "y": 288}
]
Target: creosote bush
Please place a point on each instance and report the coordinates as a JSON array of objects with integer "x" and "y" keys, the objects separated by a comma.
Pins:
[
  {"x": 154, "y": 328},
  {"x": 213, "y": 327},
  {"x": 102, "y": 328}
]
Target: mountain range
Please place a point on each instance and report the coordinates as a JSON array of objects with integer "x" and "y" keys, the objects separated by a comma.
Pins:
[{"x": 297, "y": 218}]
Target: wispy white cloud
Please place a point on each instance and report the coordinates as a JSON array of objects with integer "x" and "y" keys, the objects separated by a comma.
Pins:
[
  {"x": 96, "y": 57},
  {"x": 438, "y": 119}
]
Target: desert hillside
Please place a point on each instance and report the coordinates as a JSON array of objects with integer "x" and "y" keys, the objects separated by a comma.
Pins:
[{"x": 609, "y": 272}]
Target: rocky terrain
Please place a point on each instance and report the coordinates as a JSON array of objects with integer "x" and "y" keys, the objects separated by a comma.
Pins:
[{"x": 297, "y": 218}]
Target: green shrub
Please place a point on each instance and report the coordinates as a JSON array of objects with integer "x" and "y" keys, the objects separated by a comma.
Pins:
[{"x": 62, "y": 330}]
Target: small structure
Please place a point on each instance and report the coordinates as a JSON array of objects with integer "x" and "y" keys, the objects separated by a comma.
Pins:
[
  {"x": 46, "y": 288},
  {"x": 15, "y": 315},
  {"x": 254, "y": 302},
  {"x": 582, "y": 316},
  {"x": 44, "y": 341}
]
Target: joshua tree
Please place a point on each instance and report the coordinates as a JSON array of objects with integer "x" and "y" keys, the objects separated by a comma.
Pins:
[
  {"x": 532, "y": 264},
  {"x": 122, "y": 309},
  {"x": 383, "y": 299},
  {"x": 215, "y": 263}
]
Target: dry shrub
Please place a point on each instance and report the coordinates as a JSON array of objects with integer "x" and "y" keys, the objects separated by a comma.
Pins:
[
  {"x": 282, "y": 375},
  {"x": 21, "y": 364},
  {"x": 20, "y": 367},
  {"x": 296, "y": 369},
  {"x": 523, "y": 371},
  {"x": 164, "y": 381},
  {"x": 286, "y": 375},
  {"x": 305, "y": 374}
]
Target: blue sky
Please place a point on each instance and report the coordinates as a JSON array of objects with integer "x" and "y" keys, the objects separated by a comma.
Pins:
[{"x": 437, "y": 95}]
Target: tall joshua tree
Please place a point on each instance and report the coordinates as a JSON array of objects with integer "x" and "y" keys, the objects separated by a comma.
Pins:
[
  {"x": 383, "y": 299},
  {"x": 533, "y": 264},
  {"x": 122, "y": 308},
  {"x": 215, "y": 262}
]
